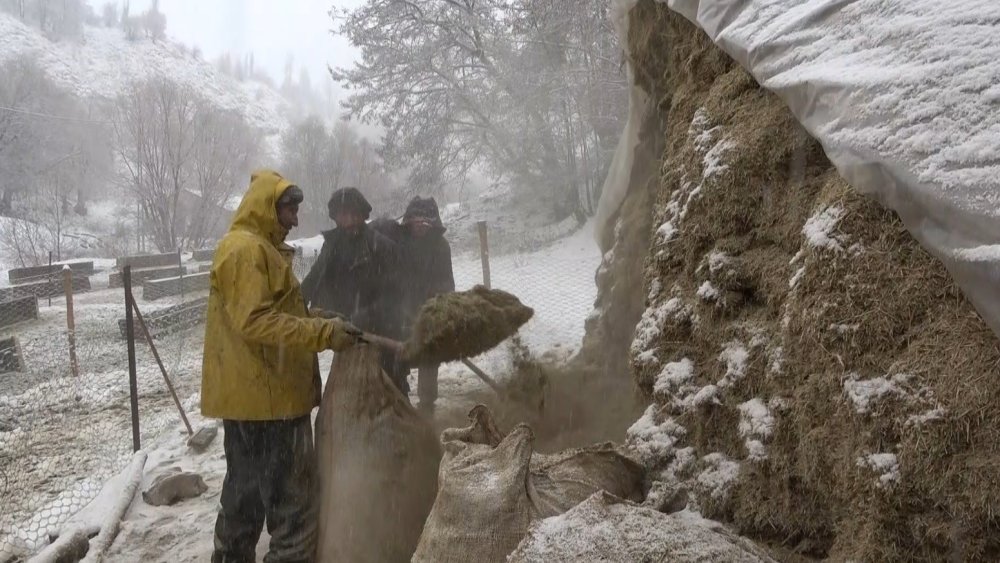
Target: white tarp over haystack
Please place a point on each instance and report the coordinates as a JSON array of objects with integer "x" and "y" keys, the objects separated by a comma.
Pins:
[{"x": 904, "y": 97}]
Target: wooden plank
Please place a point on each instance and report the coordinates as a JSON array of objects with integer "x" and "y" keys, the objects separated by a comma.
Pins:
[
  {"x": 43, "y": 289},
  {"x": 149, "y": 260},
  {"x": 18, "y": 310},
  {"x": 41, "y": 273},
  {"x": 157, "y": 289},
  {"x": 203, "y": 255},
  {"x": 141, "y": 276}
]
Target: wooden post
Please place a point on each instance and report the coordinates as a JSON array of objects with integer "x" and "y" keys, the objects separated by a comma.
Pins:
[
  {"x": 50, "y": 277},
  {"x": 159, "y": 362},
  {"x": 484, "y": 254},
  {"x": 70, "y": 321},
  {"x": 130, "y": 337}
]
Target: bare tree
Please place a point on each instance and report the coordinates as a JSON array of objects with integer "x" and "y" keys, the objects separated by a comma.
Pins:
[
  {"x": 489, "y": 83},
  {"x": 50, "y": 155},
  {"x": 322, "y": 159},
  {"x": 226, "y": 148},
  {"x": 155, "y": 22},
  {"x": 177, "y": 148},
  {"x": 310, "y": 160},
  {"x": 154, "y": 135},
  {"x": 109, "y": 15}
]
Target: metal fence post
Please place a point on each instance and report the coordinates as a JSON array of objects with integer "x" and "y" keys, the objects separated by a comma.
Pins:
[
  {"x": 484, "y": 253},
  {"x": 130, "y": 337},
  {"x": 70, "y": 321}
]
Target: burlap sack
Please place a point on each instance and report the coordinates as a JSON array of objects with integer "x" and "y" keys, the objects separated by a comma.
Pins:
[
  {"x": 378, "y": 463},
  {"x": 490, "y": 489},
  {"x": 607, "y": 528}
]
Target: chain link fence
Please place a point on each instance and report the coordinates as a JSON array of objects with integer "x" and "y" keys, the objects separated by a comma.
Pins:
[
  {"x": 65, "y": 421},
  {"x": 65, "y": 430}
]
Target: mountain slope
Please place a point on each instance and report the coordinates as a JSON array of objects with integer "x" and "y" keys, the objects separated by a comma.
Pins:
[{"x": 104, "y": 62}]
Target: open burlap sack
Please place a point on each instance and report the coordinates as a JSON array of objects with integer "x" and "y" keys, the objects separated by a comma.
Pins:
[
  {"x": 378, "y": 464},
  {"x": 490, "y": 489}
]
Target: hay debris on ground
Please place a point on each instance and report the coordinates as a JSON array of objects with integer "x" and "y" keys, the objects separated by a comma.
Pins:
[{"x": 464, "y": 324}]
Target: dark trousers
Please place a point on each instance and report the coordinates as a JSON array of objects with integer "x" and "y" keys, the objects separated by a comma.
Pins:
[
  {"x": 271, "y": 476},
  {"x": 427, "y": 387}
]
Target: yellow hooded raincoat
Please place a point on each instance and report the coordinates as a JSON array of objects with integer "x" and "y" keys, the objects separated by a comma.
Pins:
[{"x": 260, "y": 346}]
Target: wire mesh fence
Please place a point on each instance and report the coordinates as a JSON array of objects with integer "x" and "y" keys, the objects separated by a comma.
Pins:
[
  {"x": 554, "y": 276},
  {"x": 65, "y": 424}
]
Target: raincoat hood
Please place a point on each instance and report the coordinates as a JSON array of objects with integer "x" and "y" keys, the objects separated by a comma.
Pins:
[
  {"x": 425, "y": 207},
  {"x": 257, "y": 212}
]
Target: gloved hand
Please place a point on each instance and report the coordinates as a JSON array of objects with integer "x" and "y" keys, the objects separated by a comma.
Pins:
[
  {"x": 344, "y": 335},
  {"x": 363, "y": 318}
]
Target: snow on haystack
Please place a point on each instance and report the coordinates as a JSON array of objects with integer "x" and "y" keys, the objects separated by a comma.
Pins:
[
  {"x": 844, "y": 329},
  {"x": 885, "y": 465},
  {"x": 756, "y": 427},
  {"x": 926, "y": 417},
  {"x": 735, "y": 356},
  {"x": 655, "y": 287},
  {"x": 666, "y": 231},
  {"x": 712, "y": 163},
  {"x": 718, "y": 476},
  {"x": 777, "y": 357},
  {"x": 712, "y": 152},
  {"x": 653, "y": 441},
  {"x": 708, "y": 292},
  {"x": 700, "y": 397},
  {"x": 704, "y": 138},
  {"x": 819, "y": 228},
  {"x": 674, "y": 376},
  {"x": 700, "y": 131},
  {"x": 865, "y": 393},
  {"x": 717, "y": 261},
  {"x": 650, "y": 327}
]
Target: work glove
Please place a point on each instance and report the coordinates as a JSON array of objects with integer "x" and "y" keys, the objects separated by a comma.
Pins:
[{"x": 344, "y": 335}]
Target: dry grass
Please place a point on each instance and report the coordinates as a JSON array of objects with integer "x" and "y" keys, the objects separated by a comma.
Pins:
[
  {"x": 464, "y": 324},
  {"x": 879, "y": 306}
]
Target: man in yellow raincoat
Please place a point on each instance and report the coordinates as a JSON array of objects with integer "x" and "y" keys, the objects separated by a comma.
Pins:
[{"x": 261, "y": 376}]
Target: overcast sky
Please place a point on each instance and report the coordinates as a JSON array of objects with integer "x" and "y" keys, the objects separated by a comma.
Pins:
[{"x": 271, "y": 29}]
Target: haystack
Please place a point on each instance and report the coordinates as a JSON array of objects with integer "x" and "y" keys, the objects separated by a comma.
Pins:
[
  {"x": 464, "y": 324},
  {"x": 818, "y": 379}
]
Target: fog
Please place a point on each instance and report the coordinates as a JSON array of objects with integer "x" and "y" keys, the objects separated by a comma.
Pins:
[{"x": 273, "y": 31}]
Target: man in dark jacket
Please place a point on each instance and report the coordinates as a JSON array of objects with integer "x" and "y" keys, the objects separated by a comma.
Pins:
[
  {"x": 425, "y": 262},
  {"x": 355, "y": 275}
]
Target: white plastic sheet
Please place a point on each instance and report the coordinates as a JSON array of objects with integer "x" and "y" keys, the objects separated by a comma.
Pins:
[
  {"x": 905, "y": 99},
  {"x": 616, "y": 184}
]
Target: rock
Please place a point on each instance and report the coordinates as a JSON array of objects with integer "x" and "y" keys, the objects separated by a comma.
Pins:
[
  {"x": 173, "y": 487},
  {"x": 203, "y": 438}
]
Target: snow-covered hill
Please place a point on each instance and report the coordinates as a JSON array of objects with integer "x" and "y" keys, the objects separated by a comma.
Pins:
[{"x": 103, "y": 62}]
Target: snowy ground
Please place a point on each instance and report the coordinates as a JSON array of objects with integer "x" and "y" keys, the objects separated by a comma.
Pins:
[{"x": 64, "y": 438}]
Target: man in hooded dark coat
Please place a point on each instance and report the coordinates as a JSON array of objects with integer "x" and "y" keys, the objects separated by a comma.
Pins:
[
  {"x": 425, "y": 271},
  {"x": 356, "y": 276}
]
